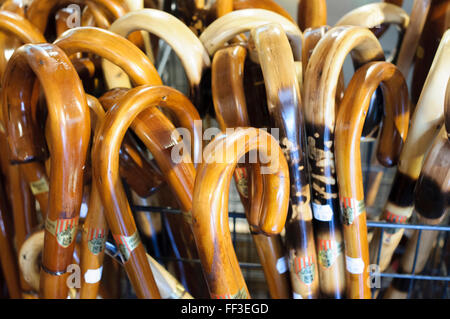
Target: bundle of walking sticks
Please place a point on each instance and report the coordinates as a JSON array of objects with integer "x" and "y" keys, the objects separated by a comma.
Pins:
[{"x": 87, "y": 125}]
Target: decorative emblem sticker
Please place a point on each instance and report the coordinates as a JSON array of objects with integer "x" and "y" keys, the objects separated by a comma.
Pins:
[
  {"x": 351, "y": 209},
  {"x": 96, "y": 240},
  {"x": 304, "y": 269},
  {"x": 241, "y": 176},
  {"x": 329, "y": 250},
  {"x": 126, "y": 244},
  {"x": 63, "y": 229}
]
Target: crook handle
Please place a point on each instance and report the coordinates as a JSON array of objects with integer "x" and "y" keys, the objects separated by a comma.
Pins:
[{"x": 349, "y": 124}]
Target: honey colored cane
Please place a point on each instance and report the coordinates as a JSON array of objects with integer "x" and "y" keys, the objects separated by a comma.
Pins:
[
  {"x": 210, "y": 209},
  {"x": 69, "y": 126},
  {"x": 270, "y": 5},
  {"x": 349, "y": 123},
  {"x": 231, "y": 112},
  {"x": 284, "y": 105},
  {"x": 322, "y": 79},
  {"x": 311, "y": 13},
  {"x": 426, "y": 120}
]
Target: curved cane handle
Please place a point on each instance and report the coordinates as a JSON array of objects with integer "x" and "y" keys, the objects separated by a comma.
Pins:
[
  {"x": 69, "y": 125},
  {"x": 210, "y": 213},
  {"x": 349, "y": 124},
  {"x": 311, "y": 13},
  {"x": 20, "y": 27},
  {"x": 230, "y": 25},
  {"x": 184, "y": 42}
]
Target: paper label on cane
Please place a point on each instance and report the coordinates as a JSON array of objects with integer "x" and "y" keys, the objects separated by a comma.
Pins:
[
  {"x": 240, "y": 294},
  {"x": 96, "y": 240},
  {"x": 323, "y": 213},
  {"x": 282, "y": 266},
  {"x": 354, "y": 265},
  {"x": 93, "y": 276},
  {"x": 351, "y": 208},
  {"x": 126, "y": 244},
  {"x": 63, "y": 229},
  {"x": 39, "y": 187},
  {"x": 296, "y": 296}
]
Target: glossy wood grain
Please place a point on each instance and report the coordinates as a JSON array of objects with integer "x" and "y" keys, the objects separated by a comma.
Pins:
[
  {"x": 231, "y": 112},
  {"x": 425, "y": 123},
  {"x": 210, "y": 209},
  {"x": 182, "y": 40},
  {"x": 227, "y": 27},
  {"x": 270, "y": 5},
  {"x": 321, "y": 82},
  {"x": 311, "y": 13},
  {"x": 349, "y": 124},
  {"x": 69, "y": 125}
]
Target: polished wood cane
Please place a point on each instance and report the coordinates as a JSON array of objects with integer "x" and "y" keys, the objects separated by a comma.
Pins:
[
  {"x": 184, "y": 42},
  {"x": 70, "y": 129},
  {"x": 311, "y": 14},
  {"x": 349, "y": 123},
  {"x": 270, "y": 5},
  {"x": 321, "y": 81},
  {"x": 285, "y": 108},
  {"x": 431, "y": 206},
  {"x": 231, "y": 112},
  {"x": 425, "y": 122},
  {"x": 210, "y": 208}
]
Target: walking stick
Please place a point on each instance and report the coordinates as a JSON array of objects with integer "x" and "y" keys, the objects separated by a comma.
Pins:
[
  {"x": 381, "y": 29},
  {"x": 321, "y": 80},
  {"x": 427, "y": 117},
  {"x": 184, "y": 42},
  {"x": 8, "y": 258},
  {"x": 311, "y": 14},
  {"x": 69, "y": 127},
  {"x": 161, "y": 142},
  {"x": 349, "y": 123},
  {"x": 230, "y": 25},
  {"x": 431, "y": 206},
  {"x": 233, "y": 5},
  {"x": 231, "y": 112},
  {"x": 210, "y": 209},
  {"x": 284, "y": 104}
]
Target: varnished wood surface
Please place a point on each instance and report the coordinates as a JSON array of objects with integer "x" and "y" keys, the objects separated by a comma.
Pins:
[
  {"x": 69, "y": 125},
  {"x": 183, "y": 41},
  {"x": 311, "y": 13},
  {"x": 227, "y": 27},
  {"x": 231, "y": 112},
  {"x": 210, "y": 213},
  {"x": 425, "y": 122},
  {"x": 349, "y": 124},
  {"x": 321, "y": 82}
]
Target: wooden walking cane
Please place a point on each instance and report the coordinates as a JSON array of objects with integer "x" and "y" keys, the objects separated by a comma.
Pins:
[
  {"x": 284, "y": 104},
  {"x": 231, "y": 112},
  {"x": 69, "y": 126},
  {"x": 431, "y": 205},
  {"x": 141, "y": 71},
  {"x": 349, "y": 123},
  {"x": 331, "y": 261},
  {"x": 122, "y": 116},
  {"x": 8, "y": 258},
  {"x": 381, "y": 29},
  {"x": 311, "y": 14},
  {"x": 321, "y": 80},
  {"x": 184, "y": 42},
  {"x": 224, "y": 7},
  {"x": 426, "y": 120},
  {"x": 232, "y": 24},
  {"x": 434, "y": 23},
  {"x": 210, "y": 208}
]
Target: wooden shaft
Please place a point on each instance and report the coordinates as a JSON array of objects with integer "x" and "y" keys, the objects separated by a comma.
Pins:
[
  {"x": 434, "y": 22},
  {"x": 311, "y": 13},
  {"x": 426, "y": 120},
  {"x": 284, "y": 104},
  {"x": 210, "y": 209},
  {"x": 227, "y": 27},
  {"x": 182, "y": 40},
  {"x": 231, "y": 112},
  {"x": 8, "y": 259},
  {"x": 70, "y": 127},
  {"x": 223, "y": 7},
  {"x": 349, "y": 124}
]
